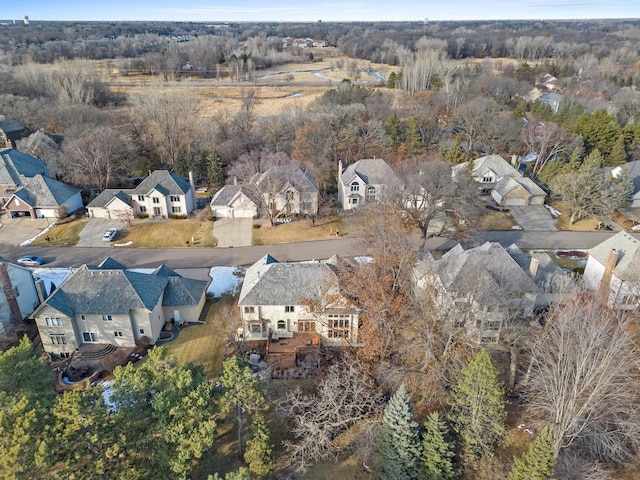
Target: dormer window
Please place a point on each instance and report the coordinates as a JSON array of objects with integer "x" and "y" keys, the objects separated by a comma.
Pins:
[{"x": 487, "y": 179}]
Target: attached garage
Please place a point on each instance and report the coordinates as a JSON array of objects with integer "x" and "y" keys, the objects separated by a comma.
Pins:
[
  {"x": 516, "y": 191},
  {"x": 232, "y": 201}
]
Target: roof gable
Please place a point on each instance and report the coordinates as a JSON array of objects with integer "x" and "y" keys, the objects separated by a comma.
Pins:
[
  {"x": 628, "y": 248},
  {"x": 372, "y": 171},
  {"x": 165, "y": 182}
]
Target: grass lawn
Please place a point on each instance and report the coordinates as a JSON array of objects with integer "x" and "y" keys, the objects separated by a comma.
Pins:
[
  {"x": 169, "y": 233},
  {"x": 203, "y": 344},
  {"x": 493, "y": 220},
  {"x": 301, "y": 230},
  {"x": 562, "y": 223},
  {"x": 62, "y": 235}
]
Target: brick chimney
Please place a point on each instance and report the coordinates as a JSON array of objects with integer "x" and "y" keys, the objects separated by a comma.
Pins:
[{"x": 605, "y": 283}]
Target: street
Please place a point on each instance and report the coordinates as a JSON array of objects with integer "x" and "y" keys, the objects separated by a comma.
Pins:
[{"x": 321, "y": 249}]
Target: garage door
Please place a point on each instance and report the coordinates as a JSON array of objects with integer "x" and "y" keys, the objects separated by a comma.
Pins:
[
  {"x": 515, "y": 201},
  {"x": 238, "y": 213}
]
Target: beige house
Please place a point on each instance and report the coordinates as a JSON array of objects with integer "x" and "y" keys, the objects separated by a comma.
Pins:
[
  {"x": 235, "y": 201},
  {"x": 110, "y": 304},
  {"x": 280, "y": 300},
  {"x": 365, "y": 181},
  {"x": 161, "y": 194},
  {"x": 613, "y": 268}
]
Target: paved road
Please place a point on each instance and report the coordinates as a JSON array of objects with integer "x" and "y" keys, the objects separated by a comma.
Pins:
[{"x": 322, "y": 249}]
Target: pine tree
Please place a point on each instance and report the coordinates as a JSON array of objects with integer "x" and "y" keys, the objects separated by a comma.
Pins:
[
  {"x": 398, "y": 444},
  {"x": 575, "y": 161},
  {"x": 618, "y": 155},
  {"x": 259, "y": 448},
  {"x": 393, "y": 130},
  {"x": 477, "y": 407},
  {"x": 413, "y": 138},
  {"x": 215, "y": 169},
  {"x": 538, "y": 463},
  {"x": 437, "y": 453}
]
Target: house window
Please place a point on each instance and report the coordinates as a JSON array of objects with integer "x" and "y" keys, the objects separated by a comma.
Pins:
[
  {"x": 156, "y": 200},
  {"x": 355, "y": 187},
  {"x": 486, "y": 179},
  {"x": 63, "y": 355},
  {"x": 141, "y": 198},
  {"x": 143, "y": 209},
  {"x": 58, "y": 339},
  {"x": 249, "y": 309},
  {"x": 117, "y": 334},
  {"x": 282, "y": 325},
  {"x": 90, "y": 337},
  {"x": 371, "y": 194},
  {"x": 82, "y": 317},
  {"x": 16, "y": 292},
  {"x": 53, "y": 322},
  {"x": 289, "y": 195},
  {"x": 176, "y": 209},
  {"x": 353, "y": 201},
  {"x": 492, "y": 325},
  {"x": 142, "y": 331},
  {"x": 288, "y": 308},
  {"x": 339, "y": 326},
  {"x": 174, "y": 198},
  {"x": 255, "y": 328},
  {"x": 107, "y": 318},
  {"x": 307, "y": 326}
]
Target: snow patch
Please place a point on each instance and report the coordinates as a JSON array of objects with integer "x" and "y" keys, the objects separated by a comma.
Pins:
[
  {"x": 225, "y": 280},
  {"x": 123, "y": 244},
  {"x": 30, "y": 241},
  {"x": 52, "y": 276},
  {"x": 554, "y": 213}
]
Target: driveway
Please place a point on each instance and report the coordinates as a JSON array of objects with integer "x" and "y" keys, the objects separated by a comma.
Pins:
[
  {"x": 14, "y": 231},
  {"x": 91, "y": 234},
  {"x": 533, "y": 217},
  {"x": 233, "y": 232}
]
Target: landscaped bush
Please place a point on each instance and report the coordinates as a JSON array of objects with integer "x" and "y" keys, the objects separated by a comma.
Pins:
[
  {"x": 143, "y": 215},
  {"x": 177, "y": 217}
]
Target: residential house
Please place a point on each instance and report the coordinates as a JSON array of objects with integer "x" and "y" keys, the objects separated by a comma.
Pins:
[
  {"x": 505, "y": 184},
  {"x": 14, "y": 166},
  {"x": 110, "y": 304},
  {"x": 613, "y": 268},
  {"x": 551, "y": 99},
  {"x": 235, "y": 201},
  {"x": 286, "y": 190},
  {"x": 10, "y": 131},
  {"x": 43, "y": 146},
  {"x": 365, "y": 181},
  {"x": 634, "y": 170},
  {"x": 483, "y": 287},
  {"x": 18, "y": 295},
  {"x": 161, "y": 194},
  {"x": 282, "y": 300}
]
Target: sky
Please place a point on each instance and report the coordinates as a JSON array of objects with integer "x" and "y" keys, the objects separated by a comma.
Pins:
[{"x": 314, "y": 10}]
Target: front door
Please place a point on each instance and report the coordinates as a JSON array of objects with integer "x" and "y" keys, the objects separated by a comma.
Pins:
[
  {"x": 157, "y": 211},
  {"x": 90, "y": 337}
]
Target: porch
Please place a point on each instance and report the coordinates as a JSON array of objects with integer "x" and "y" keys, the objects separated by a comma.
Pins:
[{"x": 282, "y": 352}]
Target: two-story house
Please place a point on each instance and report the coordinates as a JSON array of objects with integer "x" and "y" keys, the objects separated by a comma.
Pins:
[
  {"x": 479, "y": 289},
  {"x": 18, "y": 295},
  {"x": 613, "y": 268},
  {"x": 365, "y": 181},
  {"x": 279, "y": 300},
  {"x": 161, "y": 194},
  {"x": 110, "y": 304}
]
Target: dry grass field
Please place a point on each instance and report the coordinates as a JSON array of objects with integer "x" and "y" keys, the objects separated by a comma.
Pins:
[
  {"x": 63, "y": 235},
  {"x": 300, "y": 231},
  {"x": 562, "y": 223},
  {"x": 169, "y": 233}
]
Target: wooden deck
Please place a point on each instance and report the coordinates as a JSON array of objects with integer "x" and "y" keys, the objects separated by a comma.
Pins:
[{"x": 282, "y": 353}]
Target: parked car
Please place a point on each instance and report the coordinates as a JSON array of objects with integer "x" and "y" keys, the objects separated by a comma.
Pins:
[
  {"x": 30, "y": 261},
  {"x": 110, "y": 234}
]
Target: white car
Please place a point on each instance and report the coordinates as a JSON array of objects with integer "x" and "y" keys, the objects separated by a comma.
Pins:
[
  {"x": 110, "y": 234},
  {"x": 30, "y": 261}
]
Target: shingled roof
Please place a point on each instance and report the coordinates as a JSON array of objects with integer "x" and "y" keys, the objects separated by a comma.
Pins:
[
  {"x": 42, "y": 191},
  {"x": 373, "y": 171},
  {"x": 226, "y": 194},
  {"x": 269, "y": 282},
  {"x": 107, "y": 195},
  {"x": 15, "y": 164},
  {"x": 486, "y": 164},
  {"x": 628, "y": 248},
  {"x": 288, "y": 174},
  {"x": 166, "y": 182}
]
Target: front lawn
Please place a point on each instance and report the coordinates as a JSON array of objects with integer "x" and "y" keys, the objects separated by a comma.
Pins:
[
  {"x": 300, "y": 230},
  {"x": 62, "y": 235},
  {"x": 169, "y": 233},
  {"x": 587, "y": 224}
]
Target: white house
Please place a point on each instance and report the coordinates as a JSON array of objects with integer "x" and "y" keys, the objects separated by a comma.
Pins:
[
  {"x": 280, "y": 300},
  {"x": 365, "y": 181},
  {"x": 634, "y": 170},
  {"x": 18, "y": 295},
  {"x": 161, "y": 194},
  {"x": 613, "y": 268},
  {"x": 110, "y": 304}
]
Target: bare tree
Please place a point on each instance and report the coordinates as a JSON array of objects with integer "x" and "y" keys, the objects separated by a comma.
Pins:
[
  {"x": 345, "y": 397},
  {"x": 585, "y": 380},
  {"x": 548, "y": 140},
  {"x": 434, "y": 202}
]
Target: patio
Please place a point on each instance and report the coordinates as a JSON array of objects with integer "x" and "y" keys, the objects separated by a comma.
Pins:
[{"x": 282, "y": 352}]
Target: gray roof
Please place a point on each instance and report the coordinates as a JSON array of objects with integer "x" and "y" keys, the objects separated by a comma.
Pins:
[
  {"x": 164, "y": 181},
  {"x": 42, "y": 191},
  {"x": 39, "y": 145},
  {"x": 14, "y": 164},
  {"x": 628, "y": 248},
  {"x": 549, "y": 275},
  {"x": 9, "y": 125},
  {"x": 107, "y": 195},
  {"x": 288, "y": 174},
  {"x": 110, "y": 289},
  {"x": 487, "y": 272},
  {"x": 226, "y": 194},
  {"x": 486, "y": 164},
  {"x": 269, "y": 282},
  {"x": 507, "y": 184},
  {"x": 373, "y": 171}
]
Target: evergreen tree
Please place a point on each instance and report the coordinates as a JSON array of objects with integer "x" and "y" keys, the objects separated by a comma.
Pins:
[
  {"x": 454, "y": 154},
  {"x": 538, "y": 463},
  {"x": 437, "y": 452},
  {"x": 215, "y": 169},
  {"x": 240, "y": 474},
  {"x": 393, "y": 131},
  {"x": 392, "y": 81},
  {"x": 398, "y": 444},
  {"x": 618, "y": 155},
  {"x": 575, "y": 161},
  {"x": 413, "y": 138},
  {"x": 259, "y": 454},
  {"x": 477, "y": 407}
]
